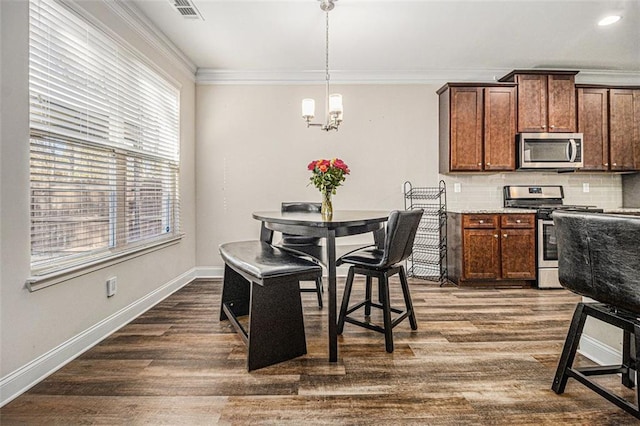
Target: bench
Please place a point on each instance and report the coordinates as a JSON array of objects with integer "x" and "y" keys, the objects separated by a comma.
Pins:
[{"x": 263, "y": 282}]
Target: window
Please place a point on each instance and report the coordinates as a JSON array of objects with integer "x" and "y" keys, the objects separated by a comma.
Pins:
[{"x": 104, "y": 144}]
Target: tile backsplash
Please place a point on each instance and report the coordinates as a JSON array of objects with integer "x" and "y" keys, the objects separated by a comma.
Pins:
[{"x": 485, "y": 191}]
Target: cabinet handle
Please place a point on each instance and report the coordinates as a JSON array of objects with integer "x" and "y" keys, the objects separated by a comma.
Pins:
[
  {"x": 481, "y": 221},
  {"x": 504, "y": 235},
  {"x": 615, "y": 164},
  {"x": 552, "y": 127},
  {"x": 495, "y": 236},
  {"x": 518, "y": 221},
  {"x": 488, "y": 164},
  {"x": 479, "y": 164},
  {"x": 543, "y": 126},
  {"x": 606, "y": 164}
]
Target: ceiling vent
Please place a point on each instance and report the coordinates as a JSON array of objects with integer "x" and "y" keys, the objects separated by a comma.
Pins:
[{"x": 187, "y": 9}]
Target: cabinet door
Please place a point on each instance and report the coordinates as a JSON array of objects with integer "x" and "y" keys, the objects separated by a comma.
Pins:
[
  {"x": 518, "y": 248},
  {"x": 621, "y": 129},
  {"x": 481, "y": 254},
  {"x": 532, "y": 103},
  {"x": 466, "y": 129},
  {"x": 593, "y": 123},
  {"x": 499, "y": 128},
  {"x": 562, "y": 103}
]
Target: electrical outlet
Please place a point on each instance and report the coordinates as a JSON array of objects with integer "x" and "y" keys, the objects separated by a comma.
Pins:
[
  {"x": 112, "y": 286},
  {"x": 585, "y": 187},
  {"x": 457, "y": 187}
]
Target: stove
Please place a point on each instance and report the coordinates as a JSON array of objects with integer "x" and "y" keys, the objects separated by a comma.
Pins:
[{"x": 544, "y": 199}]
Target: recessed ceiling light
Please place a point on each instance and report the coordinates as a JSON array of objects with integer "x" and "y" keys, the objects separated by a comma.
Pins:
[{"x": 609, "y": 20}]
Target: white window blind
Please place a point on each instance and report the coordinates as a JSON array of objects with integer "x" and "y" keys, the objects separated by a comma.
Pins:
[{"x": 104, "y": 144}]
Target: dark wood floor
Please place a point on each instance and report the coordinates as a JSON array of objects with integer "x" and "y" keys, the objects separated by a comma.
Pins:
[{"x": 478, "y": 357}]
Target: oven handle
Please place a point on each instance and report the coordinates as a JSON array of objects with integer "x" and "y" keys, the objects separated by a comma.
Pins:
[{"x": 572, "y": 150}]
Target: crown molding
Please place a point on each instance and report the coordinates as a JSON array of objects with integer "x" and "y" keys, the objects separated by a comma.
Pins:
[
  {"x": 151, "y": 34},
  {"x": 205, "y": 76}
]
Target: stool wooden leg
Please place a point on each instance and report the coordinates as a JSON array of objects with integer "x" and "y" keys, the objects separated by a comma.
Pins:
[
  {"x": 386, "y": 311},
  {"x": 345, "y": 300},
  {"x": 367, "y": 296},
  {"x": 569, "y": 350},
  {"x": 636, "y": 336},
  {"x": 407, "y": 299},
  {"x": 319, "y": 291},
  {"x": 628, "y": 378}
]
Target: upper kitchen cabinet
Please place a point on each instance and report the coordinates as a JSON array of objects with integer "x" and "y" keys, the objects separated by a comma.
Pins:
[
  {"x": 593, "y": 123},
  {"x": 546, "y": 100},
  {"x": 609, "y": 118},
  {"x": 477, "y": 127},
  {"x": 624, "y": 129}
]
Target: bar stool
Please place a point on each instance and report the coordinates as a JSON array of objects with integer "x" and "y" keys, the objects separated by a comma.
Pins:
[
  {"x": 382, "y": 264},
  {"x": 298, "y": 243}
]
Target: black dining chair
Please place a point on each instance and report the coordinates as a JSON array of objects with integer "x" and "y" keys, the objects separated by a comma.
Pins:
[
  {"x": 299, "y": 243},
  {"x": 382, "y": 264}
]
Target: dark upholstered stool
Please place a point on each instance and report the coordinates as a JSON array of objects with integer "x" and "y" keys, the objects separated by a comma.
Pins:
[
  {"x": 263, "y": 282},
  {"x": 298, "y": 243},
  {"x": 599, "y": 257},
  {"x": 383, "y": 263}
]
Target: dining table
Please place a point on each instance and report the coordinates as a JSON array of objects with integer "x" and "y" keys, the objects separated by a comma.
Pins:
[{"x": 342, "y": 223}]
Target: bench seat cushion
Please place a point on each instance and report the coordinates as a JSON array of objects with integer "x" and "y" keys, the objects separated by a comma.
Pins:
[{"x": 263, "y": 260}]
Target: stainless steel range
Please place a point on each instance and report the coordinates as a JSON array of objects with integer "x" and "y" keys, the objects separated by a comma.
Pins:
[{"x": 544, "y": 199}]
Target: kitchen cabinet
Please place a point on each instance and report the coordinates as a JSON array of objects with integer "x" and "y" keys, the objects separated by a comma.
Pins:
[
  {"x": 593, "y": 123},
  {"x": 624, "y": 129},
  {"x": 609, "y": 118},
  {"x": 477, "y": 127},
  {"x": 495, "y": 250},
  {"x": 546, "y": 100}
]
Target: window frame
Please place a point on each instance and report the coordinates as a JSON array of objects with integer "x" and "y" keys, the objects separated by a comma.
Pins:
[{"x": 120, "y": 246}]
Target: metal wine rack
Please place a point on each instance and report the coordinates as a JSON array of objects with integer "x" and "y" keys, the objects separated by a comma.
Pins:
[{"x": 429, "y": 258}]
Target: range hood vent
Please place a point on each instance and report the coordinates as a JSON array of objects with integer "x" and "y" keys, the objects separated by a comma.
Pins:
[{"x": 187, "y": 9}]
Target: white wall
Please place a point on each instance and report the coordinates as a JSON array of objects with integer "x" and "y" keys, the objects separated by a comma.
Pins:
[
  {"x": 32, "y": 325},
  {"x": 253, "y": 149}
]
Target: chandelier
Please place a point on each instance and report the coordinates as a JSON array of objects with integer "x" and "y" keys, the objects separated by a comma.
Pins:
[{"x": 333, "y": 102}]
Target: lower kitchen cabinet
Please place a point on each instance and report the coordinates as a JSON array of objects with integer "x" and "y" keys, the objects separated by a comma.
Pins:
[{"x": 491, "y": 250}]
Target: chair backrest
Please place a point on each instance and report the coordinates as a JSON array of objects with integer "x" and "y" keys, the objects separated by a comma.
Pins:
[
  {"x": 599, "y": 257},
  {"x": 301, "y": 207},
  {"x": 401, "y": 232}
]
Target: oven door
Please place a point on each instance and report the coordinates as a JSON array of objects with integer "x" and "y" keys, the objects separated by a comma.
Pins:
[{"x": 547, "y": 244}]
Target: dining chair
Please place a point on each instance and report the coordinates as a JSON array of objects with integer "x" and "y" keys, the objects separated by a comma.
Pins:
[
  {"x": 382, "y": 264},
  {"x": 301, "y": 242}
]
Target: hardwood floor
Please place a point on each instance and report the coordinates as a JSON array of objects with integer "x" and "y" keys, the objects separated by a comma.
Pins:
[{"x": 478, "y": 357}]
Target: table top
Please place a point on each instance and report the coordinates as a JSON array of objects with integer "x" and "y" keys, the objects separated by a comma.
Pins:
[{"x": 340, "y": 218}]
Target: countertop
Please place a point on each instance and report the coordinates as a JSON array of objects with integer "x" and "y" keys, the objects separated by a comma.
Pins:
[
  {"x": 493, "y": 211},
  {"x": 633, "y": 211}
]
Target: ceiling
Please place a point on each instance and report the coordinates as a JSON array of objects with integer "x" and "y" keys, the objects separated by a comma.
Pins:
[{"x": 395, "y": 40}]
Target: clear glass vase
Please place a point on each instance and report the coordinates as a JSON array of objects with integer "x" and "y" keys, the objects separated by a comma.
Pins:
[{"x": 327, "y": 207}]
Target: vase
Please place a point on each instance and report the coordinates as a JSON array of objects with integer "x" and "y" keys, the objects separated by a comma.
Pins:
[{"x": 327, "y": 207}]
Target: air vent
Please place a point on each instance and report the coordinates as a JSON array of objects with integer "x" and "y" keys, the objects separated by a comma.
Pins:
[{"x": 187, "y": 9}]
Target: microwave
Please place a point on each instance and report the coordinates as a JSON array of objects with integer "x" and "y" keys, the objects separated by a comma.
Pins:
[{"x": 550, "y": 151}]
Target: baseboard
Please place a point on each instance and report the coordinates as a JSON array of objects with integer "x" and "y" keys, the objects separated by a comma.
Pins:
[
  {"x": 19, "y": 381},
  {"x": 203, "y": 272},
  {"x": 598, "y": 352}
]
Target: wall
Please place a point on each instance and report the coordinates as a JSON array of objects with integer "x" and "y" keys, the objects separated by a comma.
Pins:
[
  {"x": 49, "y": 326},
  {"x": 631, "y": 190},
  {"x": 253, "y": 149}
]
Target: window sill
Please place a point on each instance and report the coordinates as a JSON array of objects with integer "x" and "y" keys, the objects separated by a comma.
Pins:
[{"x": 38, "y": 282}]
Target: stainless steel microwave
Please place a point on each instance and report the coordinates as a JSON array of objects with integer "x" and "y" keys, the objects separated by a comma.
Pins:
[{"x": 550, "y": 151}]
